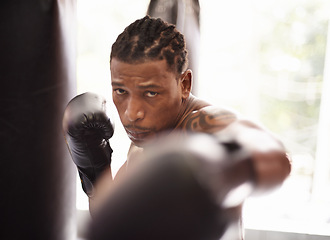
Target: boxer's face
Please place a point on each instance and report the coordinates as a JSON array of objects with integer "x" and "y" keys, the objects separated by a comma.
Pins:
[{"x": 148, "y": 97}]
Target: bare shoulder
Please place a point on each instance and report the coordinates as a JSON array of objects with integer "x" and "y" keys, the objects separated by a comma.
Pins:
[{"x": 209, "y": 119}]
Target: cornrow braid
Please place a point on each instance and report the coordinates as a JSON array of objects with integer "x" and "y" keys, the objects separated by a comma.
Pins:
[{"x": 149, "y": 39}]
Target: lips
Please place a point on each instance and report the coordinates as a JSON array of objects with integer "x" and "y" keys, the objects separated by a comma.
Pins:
[{"x": 137, "y": 135}]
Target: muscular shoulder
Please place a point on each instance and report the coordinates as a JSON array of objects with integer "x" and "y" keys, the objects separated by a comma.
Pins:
[{"x": 208, "y": 119}]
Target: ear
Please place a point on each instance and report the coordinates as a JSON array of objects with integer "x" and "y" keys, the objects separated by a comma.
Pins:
[{"x": 186, "y": 83}]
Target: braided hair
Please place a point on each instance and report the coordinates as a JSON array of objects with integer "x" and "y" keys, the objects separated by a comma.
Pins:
[{"x": 150, "y": 39}]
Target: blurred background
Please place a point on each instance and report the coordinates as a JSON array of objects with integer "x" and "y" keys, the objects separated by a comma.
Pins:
[{"x": 266, "y": 59}]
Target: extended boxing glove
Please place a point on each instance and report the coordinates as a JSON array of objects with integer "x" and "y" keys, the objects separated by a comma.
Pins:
[
  {"x": 87, "y": 129},
  {"x": 176, "y": 193}
]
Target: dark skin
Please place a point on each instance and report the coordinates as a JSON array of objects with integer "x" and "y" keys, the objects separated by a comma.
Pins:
[
  {"x": 148, "y": 97},
  {"x": 151, "y": 99}
]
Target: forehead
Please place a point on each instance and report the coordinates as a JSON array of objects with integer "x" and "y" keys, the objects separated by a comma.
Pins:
[{"x": 145, "y": 70}]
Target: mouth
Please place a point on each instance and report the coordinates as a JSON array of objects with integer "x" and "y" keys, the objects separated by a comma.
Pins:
[{"x": 137, "y": 135}]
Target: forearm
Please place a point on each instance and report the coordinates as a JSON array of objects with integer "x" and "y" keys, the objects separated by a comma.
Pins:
[
  {"x": 269, "y": 159},
  {"x": 102, "y": 190}
]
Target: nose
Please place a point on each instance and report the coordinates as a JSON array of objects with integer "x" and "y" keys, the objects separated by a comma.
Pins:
[{"x": 134, "y": 110}]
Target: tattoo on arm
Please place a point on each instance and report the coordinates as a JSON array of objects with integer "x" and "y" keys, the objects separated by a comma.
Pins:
[{"x": 205, "y": 121}]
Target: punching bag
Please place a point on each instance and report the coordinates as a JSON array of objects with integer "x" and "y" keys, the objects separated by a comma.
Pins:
[{"x": 37, "y": 75}]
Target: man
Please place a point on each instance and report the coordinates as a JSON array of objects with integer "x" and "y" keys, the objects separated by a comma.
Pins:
[{"x": 152, "y": 93}]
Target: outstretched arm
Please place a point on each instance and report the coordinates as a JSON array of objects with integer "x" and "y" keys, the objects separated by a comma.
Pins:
[
  {"x": 189, "y": 186},
  {"x": 270, "y": 162}
]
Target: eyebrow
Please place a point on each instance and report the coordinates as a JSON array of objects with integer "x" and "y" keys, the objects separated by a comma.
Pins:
[
  {"x": 117, "y": 84},
  {"x": 149, "y": 86},
  {"x": 142, "y": 86}
]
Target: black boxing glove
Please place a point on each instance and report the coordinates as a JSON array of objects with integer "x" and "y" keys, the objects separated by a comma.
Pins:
[
  {"x": 180, "y": 191},
  {"x": 87, "y": 130}
]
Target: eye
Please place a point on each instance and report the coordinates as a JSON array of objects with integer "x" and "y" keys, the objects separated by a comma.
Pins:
[
  {"x": 119, "y": 91},
  {"x": 151, "y": 94}
]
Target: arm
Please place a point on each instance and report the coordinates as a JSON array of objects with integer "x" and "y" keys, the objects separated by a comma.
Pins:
[
  {"x": 180, "y": 191},
  {"x": 267, "y": 155},
  {"x": 187, "y": 186}
]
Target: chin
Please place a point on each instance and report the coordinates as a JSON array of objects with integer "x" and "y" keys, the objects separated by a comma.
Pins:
[
  {"x": 143, "y": 142},
  {"x": 138, "y": 143}
]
